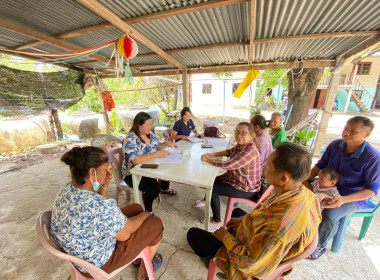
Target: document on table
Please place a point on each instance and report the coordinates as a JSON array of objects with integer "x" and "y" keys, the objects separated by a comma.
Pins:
[
  {"x": 215, "y": 142},
  {"x": 175, "y": 158},
  {"x": 195, "y": 139}
]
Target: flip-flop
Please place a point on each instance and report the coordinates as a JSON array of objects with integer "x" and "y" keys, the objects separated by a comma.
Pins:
[
  {"x": 157, "y": 262},
  {"x": 211, "y": 225},
  {"x": 198, "y": 204},
  {"x": 172, "y": 192},
  {"x": 316, "y": 254}
]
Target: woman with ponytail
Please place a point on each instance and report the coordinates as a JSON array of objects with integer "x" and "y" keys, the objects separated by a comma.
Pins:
[{"x": 88, "y": 225}]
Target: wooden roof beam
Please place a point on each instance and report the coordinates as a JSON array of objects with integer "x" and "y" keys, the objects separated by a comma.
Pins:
[
  {"x": 159, "y": 15},
  {"x": 252, "y": 32},
  {"x": 117, "y": 22},
  {"x": 271, "y": 40},
  {"x": 44, "y": 38},
  {"x": 237, "y": 67}
]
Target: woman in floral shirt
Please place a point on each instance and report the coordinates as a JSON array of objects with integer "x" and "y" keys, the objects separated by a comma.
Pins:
[
  {"x": 87, "y": 225},
  {"x": 142, "y": 146}
]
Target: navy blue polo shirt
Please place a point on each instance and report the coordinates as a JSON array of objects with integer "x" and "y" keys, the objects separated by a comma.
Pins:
[
  {"x": 182, "y": 129},
  {"x": 358, "y": 171}
]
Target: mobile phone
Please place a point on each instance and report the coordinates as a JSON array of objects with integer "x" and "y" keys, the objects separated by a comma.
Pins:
[
  {"x": 149, "y": 165},
  {"x": 205, "y": 146}
]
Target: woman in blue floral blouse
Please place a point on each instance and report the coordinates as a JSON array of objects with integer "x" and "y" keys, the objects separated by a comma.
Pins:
[
  {"x": 142, "y": 146},
  {"x": 88, "y": 225}
]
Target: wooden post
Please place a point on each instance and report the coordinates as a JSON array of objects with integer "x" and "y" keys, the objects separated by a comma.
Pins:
[
  {"x": 185, "y": 92},
  {"x": 57, "y": 123},
  {"x": 326, "y": 113}
]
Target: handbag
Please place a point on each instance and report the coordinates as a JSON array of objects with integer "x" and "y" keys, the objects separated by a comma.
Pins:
[{"x": 212, "y": 131}]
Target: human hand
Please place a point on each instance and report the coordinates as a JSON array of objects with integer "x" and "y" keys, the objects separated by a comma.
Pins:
[
  {"x": 220, "y": 233},
  {"x": 206, "y": 158},
  {"x": 109, "y": 174},
  {"x": 171, "y": 144},
  {"x": 233, "y": 224},
  {"x": 322, "y": 196},
  {"x": 333, "y": 202},
  {"x": 184, "y": 138}
]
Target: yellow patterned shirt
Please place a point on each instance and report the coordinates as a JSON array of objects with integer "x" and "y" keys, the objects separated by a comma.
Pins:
[{"x": 280, "y": 229}]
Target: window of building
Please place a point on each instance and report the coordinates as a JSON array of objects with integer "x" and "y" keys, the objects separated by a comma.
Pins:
[
  {"x": 235, "y": 87},
  {"x": 364, "y": 68},
  {"x": 206, "y": 88}
]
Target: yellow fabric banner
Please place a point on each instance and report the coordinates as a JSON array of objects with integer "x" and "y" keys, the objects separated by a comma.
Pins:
[{"x": 251, "y": 75}]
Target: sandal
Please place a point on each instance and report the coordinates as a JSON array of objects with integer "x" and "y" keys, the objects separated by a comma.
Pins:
[
  {"x": 171, "y": 192},
  {"x": 211, "y": 225},
  {"x": 157, "y": 262},
  {"x": 316, "y": 254},
  {"x": 198, "y": 204}
]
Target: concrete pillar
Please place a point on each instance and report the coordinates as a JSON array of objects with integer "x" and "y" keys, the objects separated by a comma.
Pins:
[
  {"x": 326, "y": 113},
  {"x": 185, "y": 88},
  {"x": 351, "y": 88}
]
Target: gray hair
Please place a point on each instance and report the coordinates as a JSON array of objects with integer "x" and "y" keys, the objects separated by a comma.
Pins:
[{"x": 279, "y": 115}]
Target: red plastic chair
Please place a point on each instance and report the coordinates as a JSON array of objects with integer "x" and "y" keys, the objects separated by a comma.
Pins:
[
  {"x": 282, "y": 267},
  {"x": 233, "y": 200},
  {"x": 47, "y": 241}
]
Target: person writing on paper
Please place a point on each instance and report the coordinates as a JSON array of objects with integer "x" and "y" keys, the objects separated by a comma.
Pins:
[
  {"x": 255, "y": 243},
  {"x": 183, "y": 127},
  {"x": 242, "y": 179},
  {"x": 88, "y": 225},
  {"x": 141, "y": 145}
]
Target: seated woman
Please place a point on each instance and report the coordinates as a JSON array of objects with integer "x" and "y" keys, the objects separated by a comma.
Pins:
[
  {"x": 141, "y": 145},
  {"x": 263, "y": 141},
  {"x": 183, "y": 127},
  {"x": 242, "y": 179},
  {"x": 89, "y": 226}
]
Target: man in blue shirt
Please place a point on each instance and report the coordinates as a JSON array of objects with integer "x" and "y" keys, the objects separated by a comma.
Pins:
[{"x": 359, "y": 165}]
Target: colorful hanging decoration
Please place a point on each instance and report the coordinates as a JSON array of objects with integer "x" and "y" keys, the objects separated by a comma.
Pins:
[
  {"x": 125, "y": 47},
  {"x": 108, "y": 102}
]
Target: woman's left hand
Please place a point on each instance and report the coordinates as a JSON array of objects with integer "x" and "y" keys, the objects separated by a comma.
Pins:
[
  {"x": 171, "y": 144},
  {"x": 220, "y": 233}
]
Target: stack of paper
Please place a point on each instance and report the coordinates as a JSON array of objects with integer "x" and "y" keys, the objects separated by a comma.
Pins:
[
  {"x": 216, "y": 142},
  {"x": 194, "y": 139},
  {"x": 175, "y": 158}
]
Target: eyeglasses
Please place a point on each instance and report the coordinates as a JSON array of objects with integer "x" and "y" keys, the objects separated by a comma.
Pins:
[{"x": 242, "y": 133}]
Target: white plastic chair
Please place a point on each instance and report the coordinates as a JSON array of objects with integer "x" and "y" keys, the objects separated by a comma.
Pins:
[{"x": 47, "y": 241}]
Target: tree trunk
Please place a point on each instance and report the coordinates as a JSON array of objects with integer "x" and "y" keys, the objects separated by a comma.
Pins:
[
  {"x": 57, "y": 123},
  {"x": 302, "y": 86}
]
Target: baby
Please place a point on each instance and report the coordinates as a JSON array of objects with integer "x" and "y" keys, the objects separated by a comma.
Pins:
[{"x": 325, "y": 187}]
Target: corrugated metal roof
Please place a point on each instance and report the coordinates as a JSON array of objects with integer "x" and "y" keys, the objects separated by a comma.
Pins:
[{"x": 225, "y": 24}]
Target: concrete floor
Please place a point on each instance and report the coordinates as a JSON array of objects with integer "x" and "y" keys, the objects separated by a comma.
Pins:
[{"x": 26, "y": 192}]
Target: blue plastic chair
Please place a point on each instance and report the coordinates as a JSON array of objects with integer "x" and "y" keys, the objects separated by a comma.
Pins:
[{"x": 365, "y": 212}]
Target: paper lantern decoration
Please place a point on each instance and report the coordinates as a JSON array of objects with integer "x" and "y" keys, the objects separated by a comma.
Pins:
[{"x": 125, "y": 48}]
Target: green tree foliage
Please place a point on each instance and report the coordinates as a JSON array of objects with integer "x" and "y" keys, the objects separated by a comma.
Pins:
[{"x": 270, "y": 80}]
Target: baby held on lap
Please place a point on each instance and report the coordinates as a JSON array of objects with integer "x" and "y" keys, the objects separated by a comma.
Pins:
[{"x": 325, "y": 187}]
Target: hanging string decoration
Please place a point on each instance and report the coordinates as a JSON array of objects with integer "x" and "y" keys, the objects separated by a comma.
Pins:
[{"x": 125, "y": 48}]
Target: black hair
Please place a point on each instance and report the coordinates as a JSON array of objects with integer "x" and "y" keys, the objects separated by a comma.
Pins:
[
  {"x": 293, "y": 159},
  {"x": 260, "y": 121},
  {"x": 334, "y": 174},
  {"x": 81, "y": 160},
  {"x": 247, "y": 124},
  {"x": 139, "y": 119},
  {"x": 366, "y": 122},
  {"x": 184, "y": 111}
]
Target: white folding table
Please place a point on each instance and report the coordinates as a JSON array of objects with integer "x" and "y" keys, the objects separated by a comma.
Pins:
[{"x": 192, "y": 172}]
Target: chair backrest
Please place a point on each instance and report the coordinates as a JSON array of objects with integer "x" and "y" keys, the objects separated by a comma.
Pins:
[
  {"x": 102, "y": 140},
  {"x": 116, "y": 156},
  {"x": 266, "y": 193},
  {"x": 47, "y": 241},
  {"x": 168, "y": 134},
  {"x": 286, "y": 265}
]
